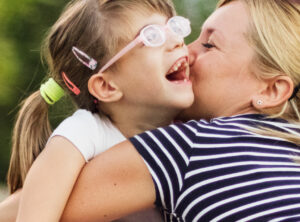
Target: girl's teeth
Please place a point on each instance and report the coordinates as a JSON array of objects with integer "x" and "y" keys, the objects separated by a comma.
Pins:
[{"x": 179, "y": 64}]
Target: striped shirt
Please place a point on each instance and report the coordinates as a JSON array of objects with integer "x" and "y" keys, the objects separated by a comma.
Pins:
[{"x": 221, "y": 171}]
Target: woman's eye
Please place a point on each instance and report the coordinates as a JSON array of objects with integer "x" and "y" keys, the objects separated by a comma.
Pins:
[{"x": 208, "y": 45}]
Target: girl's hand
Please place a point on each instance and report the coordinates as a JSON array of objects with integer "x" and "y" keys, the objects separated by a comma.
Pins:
[
  {"x": 49, "y": 182},
  {"x": 9, "y": 207}
]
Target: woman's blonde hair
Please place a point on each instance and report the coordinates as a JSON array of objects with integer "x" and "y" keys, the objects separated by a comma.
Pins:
[
  {"x": 275, "y": 37},
  {"x": 97, "y": 27}
]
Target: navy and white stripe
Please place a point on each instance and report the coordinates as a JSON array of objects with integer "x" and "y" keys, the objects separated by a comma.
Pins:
[{"x": 221, "y": 171}]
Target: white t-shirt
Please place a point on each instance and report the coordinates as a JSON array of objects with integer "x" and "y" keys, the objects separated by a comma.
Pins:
[{"x": 89, "y": 133}]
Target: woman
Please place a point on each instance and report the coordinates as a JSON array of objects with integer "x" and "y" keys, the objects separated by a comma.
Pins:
[{"x": 238, "y": 162}]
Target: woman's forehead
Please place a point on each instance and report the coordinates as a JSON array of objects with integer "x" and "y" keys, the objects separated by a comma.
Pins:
[{"x": 229, "y": 19}]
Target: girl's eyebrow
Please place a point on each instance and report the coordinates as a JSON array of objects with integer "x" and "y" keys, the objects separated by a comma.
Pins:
[
  {"x": 139, "y": 31},
  {"x": 150, "y": 23}
]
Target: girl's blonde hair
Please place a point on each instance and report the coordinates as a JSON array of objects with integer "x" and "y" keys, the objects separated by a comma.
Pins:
[
  {"x": 275, "y": 37},
  {"x": 97, "y": 27}
]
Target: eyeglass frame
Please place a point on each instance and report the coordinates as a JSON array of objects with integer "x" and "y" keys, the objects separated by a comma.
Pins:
[{"x": 141, "y": 38}]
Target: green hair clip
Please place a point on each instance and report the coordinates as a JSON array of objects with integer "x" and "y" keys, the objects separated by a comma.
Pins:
[{"x": 51, "y": 91}]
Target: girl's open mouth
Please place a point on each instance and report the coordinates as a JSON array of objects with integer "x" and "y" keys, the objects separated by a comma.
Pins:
[{"x": 179, "y": 71}]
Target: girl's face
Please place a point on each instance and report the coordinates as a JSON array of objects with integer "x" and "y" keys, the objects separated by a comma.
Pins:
[
  {"x": 220, "y": 62},
  {"x": 146, "y": 75}
]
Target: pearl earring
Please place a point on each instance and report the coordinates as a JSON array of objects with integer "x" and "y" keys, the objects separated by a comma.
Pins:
[{"x": 259, "y": 102}]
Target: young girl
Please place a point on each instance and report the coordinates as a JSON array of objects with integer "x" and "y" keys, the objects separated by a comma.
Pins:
[{"x": 125, "y": 65}]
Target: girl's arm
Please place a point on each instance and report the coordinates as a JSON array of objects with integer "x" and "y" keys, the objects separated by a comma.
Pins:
[
  {"x": 112, "y": 185},
  {"x": 9, "y": 207},
  {"x": 49, "y": 182}
]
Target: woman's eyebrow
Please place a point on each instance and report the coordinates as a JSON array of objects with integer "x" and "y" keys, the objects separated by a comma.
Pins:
[
  {"x": 208, "y": 31},
  {"x": 219, "y": 35}
]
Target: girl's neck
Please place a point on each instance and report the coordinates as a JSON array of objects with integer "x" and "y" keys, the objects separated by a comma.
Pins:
[{"x": 134, "y": 121}]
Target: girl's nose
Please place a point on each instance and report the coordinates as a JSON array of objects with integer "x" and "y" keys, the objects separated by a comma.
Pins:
[
  {"x": 174, "y": 41},
  {"x": 192, "y": 54}
]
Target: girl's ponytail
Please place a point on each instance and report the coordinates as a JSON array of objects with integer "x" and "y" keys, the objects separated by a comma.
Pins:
[{"x": 30, "y": 134}]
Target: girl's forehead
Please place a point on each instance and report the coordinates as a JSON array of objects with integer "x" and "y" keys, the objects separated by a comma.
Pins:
[
  {"x": 143, "y": 20},
  {"x": 136, "y": 23}
]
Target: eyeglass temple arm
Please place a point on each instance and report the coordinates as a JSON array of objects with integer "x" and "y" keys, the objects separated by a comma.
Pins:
[{"x": 126, "y": 49}]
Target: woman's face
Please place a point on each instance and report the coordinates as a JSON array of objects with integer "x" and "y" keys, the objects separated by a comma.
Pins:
[{"x": 220, "y": 61}]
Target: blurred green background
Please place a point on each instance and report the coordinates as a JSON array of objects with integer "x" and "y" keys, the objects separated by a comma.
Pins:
[{"x": 23, "y": 24}]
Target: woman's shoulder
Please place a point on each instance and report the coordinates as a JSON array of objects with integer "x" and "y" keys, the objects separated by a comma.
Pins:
[
  {"x": 223, "y": 124},
  {"x": 244, "y": 121}
]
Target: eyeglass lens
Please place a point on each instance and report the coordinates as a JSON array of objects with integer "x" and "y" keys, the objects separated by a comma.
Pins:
[
  {"x": 180, "y": 26},
  {"x": 154, "y": 35},
  {"x": 177, "y": 27}
]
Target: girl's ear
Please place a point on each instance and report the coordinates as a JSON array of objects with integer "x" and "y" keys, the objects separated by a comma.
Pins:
[
  {"x": 104, "y": 89},
  {"x": 274, "y": 93}
]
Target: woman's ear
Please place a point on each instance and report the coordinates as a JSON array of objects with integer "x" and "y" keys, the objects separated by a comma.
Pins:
[
  {"x": 275, "y": 92},
  {"x": 103, "y": 88}
]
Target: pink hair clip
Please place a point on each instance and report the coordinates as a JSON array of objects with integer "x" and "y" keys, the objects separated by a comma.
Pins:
[
  {"x": 90, "y": 63},
  {"x": 70, "y": 84}
]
